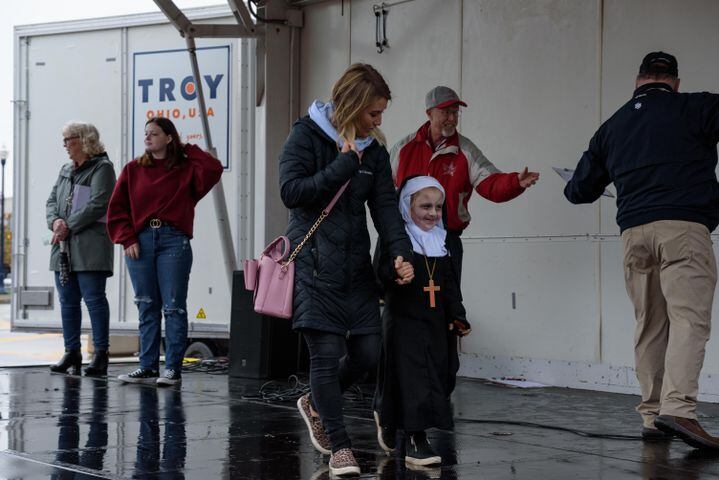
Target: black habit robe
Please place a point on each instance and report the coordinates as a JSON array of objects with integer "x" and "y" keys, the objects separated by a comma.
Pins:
[{"x": 415, "y": 373}]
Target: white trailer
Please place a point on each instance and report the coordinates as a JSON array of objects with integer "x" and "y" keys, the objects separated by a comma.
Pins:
[
  {"x": 116, "y": 73},
  {"x": 542, "y": 281}
]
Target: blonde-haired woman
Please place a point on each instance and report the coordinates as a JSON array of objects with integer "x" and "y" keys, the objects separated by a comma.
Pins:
[
  {"x": 76, "y": 213},
  {"x": 336, "y": 304}
]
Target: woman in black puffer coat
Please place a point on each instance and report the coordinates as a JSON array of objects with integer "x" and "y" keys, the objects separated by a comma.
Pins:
[{"x": 336, "y": 304}]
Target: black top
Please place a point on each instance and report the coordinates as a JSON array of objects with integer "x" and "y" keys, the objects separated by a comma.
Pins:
[
  {"x": 415, "y": 374},
  {"x": 335, "y": 288},
  {"x": 659, "y": 149}
]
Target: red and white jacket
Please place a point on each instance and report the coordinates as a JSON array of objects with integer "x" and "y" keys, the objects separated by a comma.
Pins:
[{"x": 459, "y": 166}]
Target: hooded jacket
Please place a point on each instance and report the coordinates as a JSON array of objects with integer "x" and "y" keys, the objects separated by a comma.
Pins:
[{"x": 335, "y": 289}]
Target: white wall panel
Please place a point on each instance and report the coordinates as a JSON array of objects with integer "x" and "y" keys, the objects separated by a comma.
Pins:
[
  {"x": 529, "y": 75},
  {"x": 325, "y": 50},
  {"x": 711, "y": 360},
  {"x": 418, "y": 57},
  {"x": 617, "y": 311},
  {"x": 556, "y": 310},
  {"x": 539, "y": 77},
  {"x": 632, "y": 28}
]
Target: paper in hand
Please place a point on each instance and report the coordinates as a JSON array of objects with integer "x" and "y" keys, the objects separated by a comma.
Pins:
[
  {"x": 567, "y": 174},
  {"x": 80, "y": 197}
]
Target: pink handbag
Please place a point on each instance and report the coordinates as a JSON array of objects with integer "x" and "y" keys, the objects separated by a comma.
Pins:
[
  {"x": 272, "y": 279},
  {"x": 272, "y": 276}
]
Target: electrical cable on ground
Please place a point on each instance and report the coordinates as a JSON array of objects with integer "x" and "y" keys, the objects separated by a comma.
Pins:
[
  {"x": 212, "y": 366},
  {"x": 278, "y": 391},
  {"x": 275, "y": 391},
  {"x": 581, "y": 433}
]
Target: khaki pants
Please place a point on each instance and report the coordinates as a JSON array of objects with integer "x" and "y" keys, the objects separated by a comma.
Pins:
[{"x": 670, "y": 274}]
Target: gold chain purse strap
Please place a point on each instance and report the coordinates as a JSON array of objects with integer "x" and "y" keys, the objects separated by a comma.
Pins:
[{"x": 314, "y": 227}]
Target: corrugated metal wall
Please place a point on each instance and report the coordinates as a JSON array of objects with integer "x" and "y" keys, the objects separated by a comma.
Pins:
[{"x": 539, "y": 76}]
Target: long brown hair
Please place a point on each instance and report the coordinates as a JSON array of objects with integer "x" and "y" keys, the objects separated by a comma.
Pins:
[
  {"x": 358, "y": 87},
  {"x": 174, "y": 156}
]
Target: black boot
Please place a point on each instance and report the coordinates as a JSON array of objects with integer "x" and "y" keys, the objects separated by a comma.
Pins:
[
  {"x": 98, "y": 365},
  {"x": 71, "y": 360}
]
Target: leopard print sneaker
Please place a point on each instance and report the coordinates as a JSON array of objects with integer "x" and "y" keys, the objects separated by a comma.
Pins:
[
  {"x": 319, "y": 438},
  {"x": 343, "y": 462}
]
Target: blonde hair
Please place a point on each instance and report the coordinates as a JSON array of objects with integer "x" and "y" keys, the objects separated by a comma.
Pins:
[
  {"x": 87, "y": 134},
  {"x": 358, "y": 87}
]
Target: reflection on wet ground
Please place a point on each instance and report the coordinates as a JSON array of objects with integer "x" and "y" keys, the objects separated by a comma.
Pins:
[{"x": 214, "y": 427}]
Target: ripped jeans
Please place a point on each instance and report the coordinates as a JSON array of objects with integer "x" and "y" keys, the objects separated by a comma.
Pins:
[{"x": 159, "y": 278}]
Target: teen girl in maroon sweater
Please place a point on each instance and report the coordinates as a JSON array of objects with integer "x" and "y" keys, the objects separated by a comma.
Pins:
[{"x": 151, "y": 213}]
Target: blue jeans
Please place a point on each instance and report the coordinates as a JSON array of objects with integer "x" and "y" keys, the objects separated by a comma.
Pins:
[
  {"x": 159, "y": 278},
  {"x": 88, "y": 286},
  {"x": 336, "y": 363}
]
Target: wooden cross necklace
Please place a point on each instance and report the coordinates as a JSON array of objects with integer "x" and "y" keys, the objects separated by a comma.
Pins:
[{"x": 431, "y": 288}]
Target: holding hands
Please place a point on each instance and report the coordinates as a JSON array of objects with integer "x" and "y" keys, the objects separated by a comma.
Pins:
[
  {"x": 527, "y": 178},
  {"x": 405, "y": 271}
]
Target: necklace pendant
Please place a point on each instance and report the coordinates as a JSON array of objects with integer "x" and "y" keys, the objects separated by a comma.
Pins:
[{"x": 431, "y": 289}]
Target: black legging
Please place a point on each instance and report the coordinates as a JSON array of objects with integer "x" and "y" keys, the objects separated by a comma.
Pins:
[{"x": 336, "y": 363}]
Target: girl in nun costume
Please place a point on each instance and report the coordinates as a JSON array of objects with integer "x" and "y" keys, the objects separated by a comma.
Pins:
[{"x": 414, "y": 375}]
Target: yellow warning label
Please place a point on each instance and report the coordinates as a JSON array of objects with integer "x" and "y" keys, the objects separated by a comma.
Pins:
[{"x": 201, "y": 314}]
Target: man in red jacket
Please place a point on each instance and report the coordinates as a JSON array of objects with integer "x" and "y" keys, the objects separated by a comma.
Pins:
[{"x": 438, "y": 150}]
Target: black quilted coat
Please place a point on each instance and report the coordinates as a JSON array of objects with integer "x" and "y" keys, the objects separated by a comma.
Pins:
[{"x": 335, "y": 289}]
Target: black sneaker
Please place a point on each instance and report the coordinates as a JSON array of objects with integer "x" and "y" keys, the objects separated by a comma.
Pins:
[
  {"x": 170, "y": 377},
  {"x": 141, "y": 375},
  {"x": 385, "y": 436},
  {"x": 420, "y": 452}
]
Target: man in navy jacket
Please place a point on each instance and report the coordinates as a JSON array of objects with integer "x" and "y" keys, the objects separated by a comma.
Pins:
[{"x": 659, "y": 150}]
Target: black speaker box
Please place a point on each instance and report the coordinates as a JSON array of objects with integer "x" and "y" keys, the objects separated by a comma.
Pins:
[{"x": 261, "y": 346}]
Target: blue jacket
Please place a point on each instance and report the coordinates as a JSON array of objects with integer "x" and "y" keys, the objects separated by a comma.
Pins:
[{"x": 660, "y": 151}]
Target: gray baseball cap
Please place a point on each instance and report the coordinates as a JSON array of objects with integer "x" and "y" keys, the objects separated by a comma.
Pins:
[{"x": 441, "y": 97}]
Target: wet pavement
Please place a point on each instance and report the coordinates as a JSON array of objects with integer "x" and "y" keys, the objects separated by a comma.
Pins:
[
  {"x": 215, "y": 427},
  {"x": 22, "y": 349}
]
